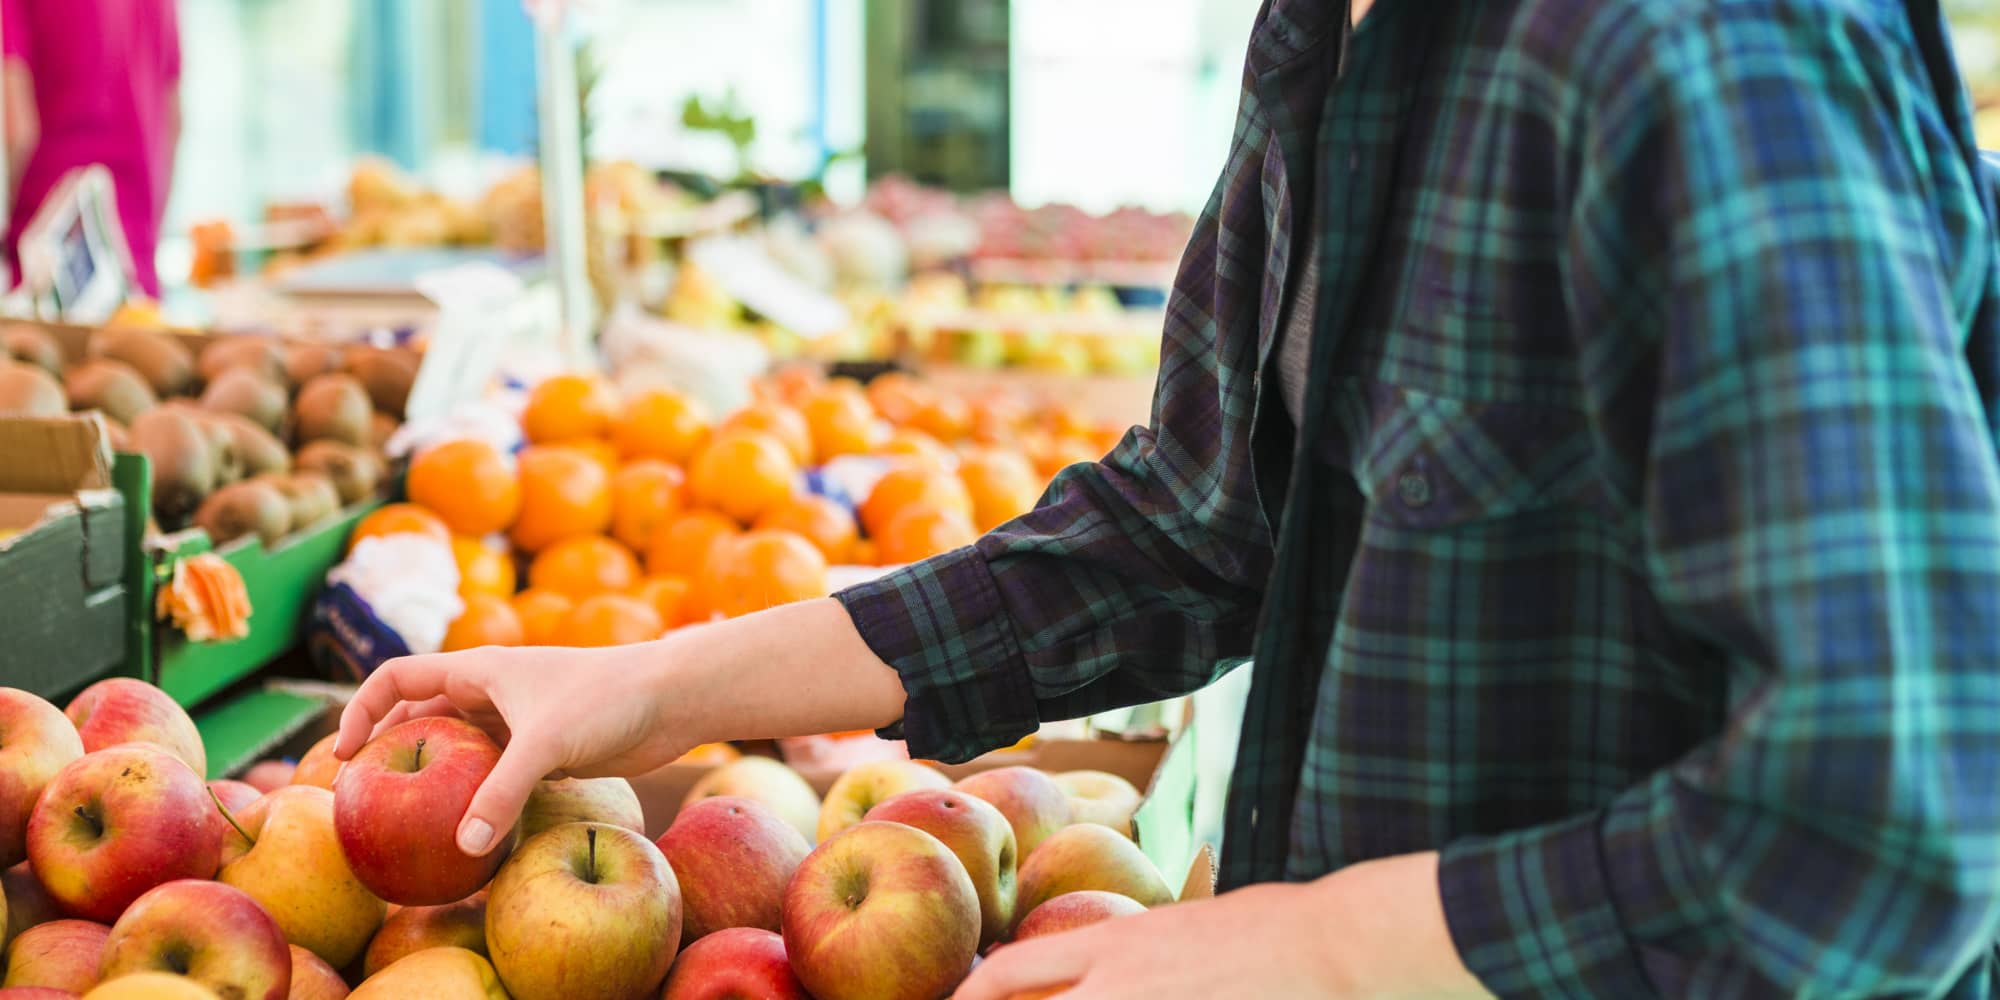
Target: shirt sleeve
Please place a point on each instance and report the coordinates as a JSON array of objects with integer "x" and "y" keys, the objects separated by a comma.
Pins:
[
  {"x": 1138, "y": 577},
  {"x": 170, "y": 41},
  {"x": 1772, "y": 312},
  {"x": 16, "y": 37}
]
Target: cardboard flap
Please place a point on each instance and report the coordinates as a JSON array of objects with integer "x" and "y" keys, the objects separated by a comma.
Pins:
[
  {"x": 54, "y": 455},
  {"x": 1200, "y": 882}
]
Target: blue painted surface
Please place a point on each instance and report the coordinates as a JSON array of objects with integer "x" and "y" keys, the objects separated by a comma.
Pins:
[{"x": 507, "y": 117}]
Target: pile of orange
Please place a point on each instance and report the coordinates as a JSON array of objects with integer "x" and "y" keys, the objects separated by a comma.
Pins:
[{"x": 628, "y": 516}]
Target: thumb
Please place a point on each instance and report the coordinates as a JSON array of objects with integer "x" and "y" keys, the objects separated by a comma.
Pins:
[{"x": 498, "y": 803}]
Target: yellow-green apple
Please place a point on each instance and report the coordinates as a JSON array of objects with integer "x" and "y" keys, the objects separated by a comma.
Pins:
[
  {"x": 582, "y": 800},
  {"x": 152, "y": 986},
  {"x": 36, "y": 741},
  {"x": 732, "y": 858},
  {"x": 435, "y": 974},
  {"x": 270, "y": 775},
  {"x": 34, "y": 993},
  {"x": 312, "y": 978},
  {"x": 1035, "y": 806},
  {"x": 61, "y": 954},
  {"x": 864, "y": 785},
  {"x": 415, "y": 928},
  {"x": 977, "y": 834},
  {"x": 1089, "y": 856},
  {"x": 881, "y": 911},
  {"x": 740, "y": 963},
  {"x": 209, "y": 932},
  {"x": 768, "y": 781},
  {"x": 293, "y": 868},
  {"x": 397, "y": 806},
  {"x": 1100, "y": 797},
  {"x": 231, "y": 797},
  {"x": 584, "y": 910},
  {"x": 28, "y": 904},
  {"x": 1071, "y": 910},
  {"x": 127, "y": 710},
  {"x": 318, "y": 766},
  {"x": 118, "y": 822}
]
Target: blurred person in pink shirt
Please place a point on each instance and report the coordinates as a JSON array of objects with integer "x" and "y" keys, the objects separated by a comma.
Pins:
[{"x": 94, "y": 81}]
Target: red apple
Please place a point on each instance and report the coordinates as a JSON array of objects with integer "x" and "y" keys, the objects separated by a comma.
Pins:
[
  {"x": 34, "y": 993},
  {"x": 312, "y": 978},
  {"x": 732, "y": 858},
  {"x": 582, "y": 800},
  {"x": 319, "y": 766},
  {"x": 209, "y": 932},
  {"x": 127, "y": 710},
  {"x": 397, "y": 806},
  {"x": 270, "y": 775},
  {"x": 415, "y": 928},
  {"x": 769, "y": 782},
  {"x": 28, "y": 904},
  {"x": 864, "y": 785},
  {"x": 584, "y": 910},
  {"x": 61, "y": 954},
  {"x": 740, "y": 963},
  {"x": 1089, "y": 856},
  {"x": 295, "y": 870},
  {"x": 1035, "y": 806},
  {"x": 1072, "y": 910},
  {"x": 977, "y": 834},
  {"x": 116, "y": 823},
  {"x": 232, "y": 797},
  {"x": 36, "y": 741},
  {"x": 881, "y": 911}
]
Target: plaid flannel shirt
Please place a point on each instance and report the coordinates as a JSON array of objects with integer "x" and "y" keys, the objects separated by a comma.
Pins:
[{"x": 1639, "y": 546}]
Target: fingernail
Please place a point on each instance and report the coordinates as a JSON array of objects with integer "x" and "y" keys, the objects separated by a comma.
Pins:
[{"x": 474, "y": 835}]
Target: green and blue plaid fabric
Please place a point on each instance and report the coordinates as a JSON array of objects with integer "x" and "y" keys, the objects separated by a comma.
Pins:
[{"x": 1639, "y": 545}]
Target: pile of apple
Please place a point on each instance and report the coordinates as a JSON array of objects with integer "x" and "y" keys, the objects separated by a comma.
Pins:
[{"x": 130, "y": 877}]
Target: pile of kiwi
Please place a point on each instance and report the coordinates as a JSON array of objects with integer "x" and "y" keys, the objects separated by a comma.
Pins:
[{"x": 254, "y": 436}]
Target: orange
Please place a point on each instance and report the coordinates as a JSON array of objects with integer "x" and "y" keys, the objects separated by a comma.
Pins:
[
  {"x": 897, "y": 397},
  {"x": 743, "y": 474},
  {"x": 762, "y": 569},
  {"x": 486, "y": 621},
  {"x": 841, "y": 422},
  {"x": 644, "y": 495},
  {"x": 792, "y": 385},
  {"x": 1105, "y": 438},
  {"x": 483, "y": 568},
  {"x": 668, "y": 595},
  {"x": 922, "y": 531},
  {"x": 542, "y": 613},
  {"x": 826, "y": 524},
  {"x": 996, "y": 419},
  {"x": 399, "y": 519},
  {"x": 583, "y": 567},
  {"x": 569, "y": 407},
  {"x": 864, "y": 554},
  {"x": 599, "y": 451},
  {"x": 564, "y": 494},
  {"x": 662, "y": 424},
  {"x": 682, "y": 546},
  {"x": 911, "y": 484},
  {"x": 946, "y": 418},
  {"x": 914, "y": 444},
  {"x": 1067, "y": 420},
  {"x": 778, "y": 421},
  {"x": 1059, "y": 453},
  {"x": 1003, "y": 486},
  {"x": 468, "y": 485},
  {"x": 611, "y": 620}
]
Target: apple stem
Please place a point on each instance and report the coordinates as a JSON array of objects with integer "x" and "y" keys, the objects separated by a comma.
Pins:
[
  {"x": 590, "y": 837},
  {"x": 417, "y": 760},
  {"x": 252, "y": 841},
  {"x": 95, "y": 826}
]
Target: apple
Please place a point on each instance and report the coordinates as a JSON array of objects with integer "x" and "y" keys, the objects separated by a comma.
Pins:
[
  {"x": 435, "y": 974},
  {"x": 152, "y": 986},
  {"x": 978, "y": 834},
  {"x": 1072, "y": 910},
  {"x": 34, "y": 993},
  {"x": 768, "y": 781},
  {"x": 1089, "y": 856},
  {"x": 293, "y": 868},
  {"x": 584, "y": 910},
  {"x": 231, "y": 797},
  {"x": 732, "y": 858},
  {"x": 36, "y": 741},
  {"x": 28, "y": 904},
  {"x": 312, "y": 978},
  {"x": 582, "y": 800},
  {"x": 1043, "y": 994},
  {"x": 209, "y": 932},
  {"x": 881, "y": 911},
  {"x": 61, "y": 954},
  {"x": 739, "y": 963},
  {"x": 318, "y": 767},
  {"x": 127, "y": 710},
  {"x": 397, "y": 806},
  {"x": 1035, "y": 806},
  {"x": 116, "y": 823},
  {"x": 270, "y": 775},
  {"x": 413, "y": 928},
  {"x": 864, "y": 785},
  {"x": 1100, "y": 797}
]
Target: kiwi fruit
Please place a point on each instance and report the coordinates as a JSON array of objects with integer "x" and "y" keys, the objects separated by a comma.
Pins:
[
  {"x": 221, "y": 440},
  {"x": 245, "y": 508},
  {"x": 334, "y": 408},
  {"x": 26, "y": 390},
  {"x": 111, "y": 386},
  {"x": 387, "y": 374},
  {"x": 354, "y": 472},
  {"x": 247, "y": 393},
  {"x": 310, "y": 494},
  {"x": 258, "y": 450},
  {"x": 305, "y": 362},
  {"x": 118, "y": 434},
  {"x": 167, "y": 366},
  {"x": 31, "y": 345},
  {"x": 380, "y": 430},
  {"x": 184, "y": 466},
  {"x": 259, "y": 354}
]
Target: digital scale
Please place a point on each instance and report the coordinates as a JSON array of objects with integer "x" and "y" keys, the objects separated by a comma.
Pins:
[{"x": 75, "y": 264}]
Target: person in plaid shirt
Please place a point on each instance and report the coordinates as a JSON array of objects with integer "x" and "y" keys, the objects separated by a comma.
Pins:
[{"x": 1581, "y": 412}]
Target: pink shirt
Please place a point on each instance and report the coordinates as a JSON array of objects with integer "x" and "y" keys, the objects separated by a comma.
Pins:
[{"x": 104, "y": 71}]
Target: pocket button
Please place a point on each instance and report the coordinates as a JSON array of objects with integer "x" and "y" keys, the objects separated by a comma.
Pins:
[{"x": 1414, "y": 489}]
